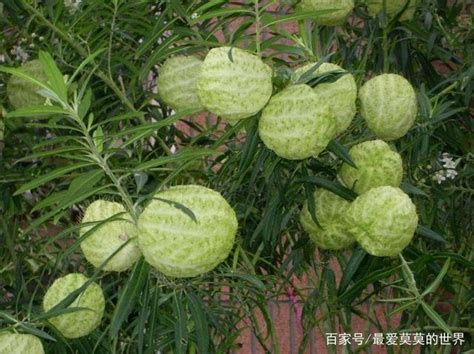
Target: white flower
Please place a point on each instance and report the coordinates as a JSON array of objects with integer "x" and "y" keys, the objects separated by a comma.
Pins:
[
  {"x": 440, "y": 177},
  {"x": 20, "y": 53},
  {"x": 194, "y": 16},
  {"x": 451, "y": 174},
  {"x": 72, "y": 5}
]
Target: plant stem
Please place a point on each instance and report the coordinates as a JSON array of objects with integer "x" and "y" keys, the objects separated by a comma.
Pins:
[
  {"x": 104, "y": 165},
  {"x": 257, "y": 27}
]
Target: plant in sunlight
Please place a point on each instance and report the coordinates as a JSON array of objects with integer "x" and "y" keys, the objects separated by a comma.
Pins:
[{"x": 169, "y": 169}]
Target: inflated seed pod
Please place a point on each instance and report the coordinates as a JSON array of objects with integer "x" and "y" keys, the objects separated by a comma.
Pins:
[
  {"x": 331, "y": 233},
  {"x": 78, "y": 323},
  {"x": 393, "y": 7},
  {"x": 341, "y": 94},
  {"x": 377, "y": 165},
  {"x": 104, "y": 239},
  {"x": 388, "y": 105},
  {"x": 177, "y": 82},
  {"x": 297, "y": 123},
  {"x": 23, "y": 93},
  {"x": 340, "y": 10},
  {"x": 234, "y": 84},
  {"x": 187, "y": 231},
  {"x": 383, "y": 221},
  {"x": 11, "y": 343}
]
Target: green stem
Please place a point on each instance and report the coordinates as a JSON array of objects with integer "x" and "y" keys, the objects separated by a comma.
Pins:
[
  {"x": 257, "y": 27},
  {"x": 103, "y": 164}
]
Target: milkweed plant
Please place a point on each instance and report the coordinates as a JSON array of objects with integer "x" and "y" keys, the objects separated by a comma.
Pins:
[{"x": 169, "y": 168}]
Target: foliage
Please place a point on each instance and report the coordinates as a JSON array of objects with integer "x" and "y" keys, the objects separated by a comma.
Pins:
[{"x": 107, "y": 135}]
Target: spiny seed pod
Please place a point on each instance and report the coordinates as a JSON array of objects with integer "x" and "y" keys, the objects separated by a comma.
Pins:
[
  {"x": 393, "y": 7},
  {"x": 388, "y": 105},
  {"x": 341, "y": 95},
  {"x": 234, "y": 84},
  {"x": 187, "y": 231},
  {"x": 377, "y": 165},
  {"x": 108, "y": 237},
  {"x": 11, "y": 343},
  {"x": 23, "y": 93},
  {"x": 297, "y": 123},
  {"x": 383, "y": 220},
  {"x": 177, "y": 82},
  {"x": 341, "y": 8},
  {"x": 331, "y": 234},
  {"x": 78, "y": 323}
]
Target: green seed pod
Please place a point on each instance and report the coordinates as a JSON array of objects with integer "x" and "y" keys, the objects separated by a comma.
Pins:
[
  {"x": 377, "y": 165},
  {"x": 297, "y": 123},
  {"x": 341, "y": 95},
  {"x": 383, "y": 220},
  {"x": 22, "y": 93},
  {"x": 79, "y": 323},
  {"x": 11, "y": 343},
  {"x": 388, "y": 105},
  {"x": 107, "y": 238},
  {"x": 177, "y": 82},
  {"x": 178, "y": 245},
  {"x": 393, "y": 7},
  {"x": 234, "y": 84},
  {"x": 341, "y": 8},
  {"x": 331, "y": 214}
]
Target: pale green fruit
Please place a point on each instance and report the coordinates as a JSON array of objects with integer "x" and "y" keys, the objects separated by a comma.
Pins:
[
  {"x": 377, "y": 165},
  {"x": 331, "y": 212},
  {"x": 178, "y": 246},
  {"x": 341, "y": 95},
  {"x": 341, "y": 8},
  {"x": 22, "y": 93},
  {"x": 15, "y": 343},
  {"x": 177, "y": 82},
  {"x": 79, "y": 323},
  {"x": 234, "y": 88},
  {"x": 393, "y": 7},
  {"x": 388, "y": 105},
  {"x": 101, "y": 243},
  {"x": 297, "y": 123},
  {"x": 383, "y": 220}
]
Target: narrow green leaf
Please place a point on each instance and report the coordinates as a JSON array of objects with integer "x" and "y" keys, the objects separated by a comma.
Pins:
[
  {"x": 439, "y": 278},
  {"x": 252, "y": 279},
  {"x": 36, "y": 112},
  {"x": 408, "y": 188},
  {"x": 85, "y": 105},
  {"x": 198, "y": 313},
  {"x": 50, "y": 176},
  {"x": 428, "y": 233},
  {"x": 435, "y": 317},
  {"x": 54, "y": 75},
  {"x": 129, "y": 296},
  {"x": 84, "y": 182},
  {"x": 401, "y": 308},
  {"x": 342, "y": 152},
  {"x": 180, "y": 327},
  {"x": 182, "y": 157},
  {"x": 298, "y": 17},
  {"x": 350, "y": 270},
  {"x": 332, "y": 186}
]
